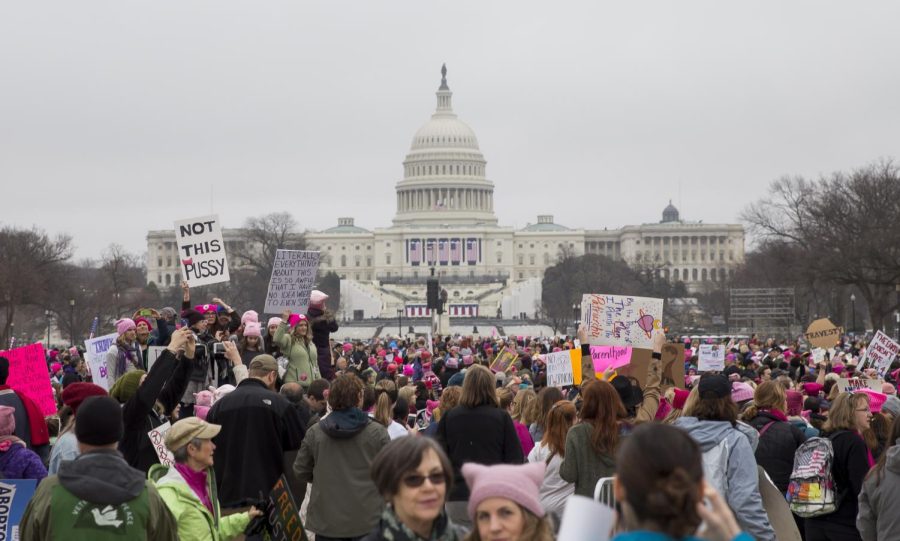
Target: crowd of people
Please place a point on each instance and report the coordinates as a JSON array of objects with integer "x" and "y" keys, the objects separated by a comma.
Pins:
[{"x": 406, "y": 439}]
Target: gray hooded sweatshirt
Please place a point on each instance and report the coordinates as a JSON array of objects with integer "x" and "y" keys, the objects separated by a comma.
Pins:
[
  {"x": 878, "y": 516},
  {"x": 741, "y": 479}
]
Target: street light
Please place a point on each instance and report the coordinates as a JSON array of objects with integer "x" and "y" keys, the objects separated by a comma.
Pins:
[
  {"x": 399, "y": 322},
  {"x": 853, "y": 311},
  {"x": 72, "y": 322},
  {"x": 47, "y": 314}
]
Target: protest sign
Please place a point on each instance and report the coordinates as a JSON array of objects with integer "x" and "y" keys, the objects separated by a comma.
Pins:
[
  {"x": 504, "y": 360},
  {"x": 609, "y": 357},
  {"x": 619, "y": 320},
  {"x": 153, "y": 353},
  {"x": 711, "y": 358},
  {"x": 559, "y": 369},
  {"x": 28, "y": 375},
  {"x": 673, "y": 358},
  {"x": 855, "y": 384},
  {"x": 818, "y": 355},
  {"x": 158, "y": 439},
  {"x": 284, "y": 514},
  {"x": 586, "y": 520},
  {"x": 292, "y": 281},
  {"x": 14, "y": 497},
  {"x": 95, "y": 357},
  {"x": 201, "y": 251},
  {"x": 822, "y": 333},
  {"x": 880, "y": 353}
]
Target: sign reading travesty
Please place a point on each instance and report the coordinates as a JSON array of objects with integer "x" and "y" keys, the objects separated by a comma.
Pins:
[{"x": 822, "y": 333}]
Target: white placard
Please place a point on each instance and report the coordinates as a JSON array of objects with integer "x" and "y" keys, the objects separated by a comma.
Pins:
[
  {"x": 586, "y": 520},
  {"x": 711, "y": 358},
  {"x": 559, "y": 369},
  {"x": 153, "y": 353},
  {"x": 880, "y": 353},
  {"x": 292, "y": 281},
  {"x": 854, "y": 384},
  {"x": 95, "y": 356},
  {"x": 621, "y": 320},
  {"x": 201, "y": 251},
  {"x": 158, "y": 439}
]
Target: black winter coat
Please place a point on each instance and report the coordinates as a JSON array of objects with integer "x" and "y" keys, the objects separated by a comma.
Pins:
[
  {"x": 775, "y": 452},
  {"x": 258, "y": 427},
  {"x": 322, "y": 325},
  {"x": 484, "y": 435},
  {"x": 851, "y": 464}
]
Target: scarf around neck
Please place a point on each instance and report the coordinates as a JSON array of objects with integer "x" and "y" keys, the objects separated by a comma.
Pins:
[
  {"x": 197, "y": 481},
  {"x": 392, "y": 528}
]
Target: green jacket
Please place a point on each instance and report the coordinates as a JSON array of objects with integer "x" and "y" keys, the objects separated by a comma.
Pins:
[
  {"x": 194, "y": 519},
  {"x": 303, "y": 366},
  {"x": 581, "y": 464}
]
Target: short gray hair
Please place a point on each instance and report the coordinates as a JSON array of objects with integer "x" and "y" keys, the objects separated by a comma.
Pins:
[{"x": 181, "y": 454}]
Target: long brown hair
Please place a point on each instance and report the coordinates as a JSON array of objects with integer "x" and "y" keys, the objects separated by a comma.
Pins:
[
  {"x": 386, "y": 393},
  {"x": 478, "y": 388},
  {"x": 602, "y": 408},
  {"x": 560, "y": 419},
  {"x": 893, "y": 439},
  {"x": 842, "y": 411},
  {"x": 545, "y": 400}
]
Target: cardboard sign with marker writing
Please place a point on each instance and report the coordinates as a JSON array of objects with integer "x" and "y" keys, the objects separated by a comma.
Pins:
[
  {"x": 284, "y": 514},
  {"x": 292, "y": 281},
  {"x": 822, "y": 333}
]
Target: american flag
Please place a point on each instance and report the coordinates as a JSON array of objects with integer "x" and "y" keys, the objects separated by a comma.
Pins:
[
  {"x": 455, "y": 254},
  {"x": 472, "y": 251},
  {"x": 415, "y": 251},
  {"x": 444, "y": 250}
]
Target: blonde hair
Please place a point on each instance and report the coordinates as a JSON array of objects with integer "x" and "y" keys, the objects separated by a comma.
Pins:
[
  {"x": 449, "y": 400},
  {"x": 504, "y": 397},
  {"x": 691, "y": 402},
  {"x": 768, "y": 395},
  {"x": 386, "y": 396},
  {"x": 841, "y": 415},
  {"x": 408, "y": 393},
  {"x": 523, "y": 406}
]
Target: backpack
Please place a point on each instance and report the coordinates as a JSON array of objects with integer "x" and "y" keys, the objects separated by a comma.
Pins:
[
  {"x": 715, "y": 466},
  {"x": 811, "y": 491}
]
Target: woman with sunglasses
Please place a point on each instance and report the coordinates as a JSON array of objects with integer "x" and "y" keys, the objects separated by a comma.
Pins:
[
  {"x": 848, "y": 418},
  {"x": 413, "y": 475}
]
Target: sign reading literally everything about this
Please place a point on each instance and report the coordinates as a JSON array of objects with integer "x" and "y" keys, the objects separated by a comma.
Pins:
[
  {"x": 95, "y": 356},
  {"x": 620, "y": 320},
  {"x": 28, "y": 375},
  {"x": 201, "y": 251},
  {"x": 292, "y": 281},
  {"x": 711, "y": 358},
  {"x": 880, "y": 353},
  {"x": 559, "y": 369},
  {"x": 822, "y": 333}
]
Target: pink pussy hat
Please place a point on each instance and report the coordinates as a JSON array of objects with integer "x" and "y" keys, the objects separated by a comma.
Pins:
[
  {"x": 519, "y": 483},
  {"x": 273, "y": 321},
  {"x": 876, "y": 399},
  {"x": 317, "y": 298},
  {"x": 250, "y": 315},
  {"x": 124, "y": 325},
  {"x": 251, "y": 328}
]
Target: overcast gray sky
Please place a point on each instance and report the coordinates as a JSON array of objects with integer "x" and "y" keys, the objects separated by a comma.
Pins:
[{"x": 119, "y": 117}]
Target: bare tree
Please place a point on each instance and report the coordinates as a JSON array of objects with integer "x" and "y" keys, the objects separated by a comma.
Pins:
[{"x": 843, "y": 226}]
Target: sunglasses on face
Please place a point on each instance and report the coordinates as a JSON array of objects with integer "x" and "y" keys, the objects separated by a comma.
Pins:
[{"x": 416, "y": 480}]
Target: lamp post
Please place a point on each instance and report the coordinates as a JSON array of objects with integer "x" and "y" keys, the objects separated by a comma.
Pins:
[
  {"x": 853, "y": 312},
  {"x": 71, "y": 322},
  {"x": 47, "y": 314},
  {"x": 399, "y": 322}
]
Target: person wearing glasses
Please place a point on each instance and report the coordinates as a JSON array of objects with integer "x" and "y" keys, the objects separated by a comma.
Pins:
[
  {"x": 413, "y": 475},
  {"x": 848, "y": 418}
]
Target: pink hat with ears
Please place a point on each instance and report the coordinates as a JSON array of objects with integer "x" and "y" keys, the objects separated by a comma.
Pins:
[
  {"x": 876, "y": 399},
  {"x": 431, "y": 405},
  {"x": 55, "y": 367},
  {"x": 794, "y": 402},
  {"x": 520, "y": 483},
  {"x": 252, "y": 328},
  {"x": 887, "y": 388},
  {"x": 273, "y": 321},
  {"x": 347, "y": 347},
  {"x": 408, "y": 370},
  {"x": 250, "y": 315},
  {"x": 317, "y": 298},
  {"x": 467, "y": 360},
  {"x": 124, "y": 325}
]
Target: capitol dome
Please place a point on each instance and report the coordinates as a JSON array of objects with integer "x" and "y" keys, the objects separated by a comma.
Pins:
[{"x": 444, "y": 172}]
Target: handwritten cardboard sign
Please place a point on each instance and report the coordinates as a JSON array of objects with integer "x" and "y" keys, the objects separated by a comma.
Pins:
[
  {"x": 711, "y": 358},
  {"x": 158, "y": 439},
  {"x": 14, "y": 495},
  {"x": 822, "y": 333},
  {"x": 672, "y": 364},
  {"x": 855, "y": 384},
  {"x": 620, "y": 320},
  {"x": 880, "y": 353},
  {"x": 284, "y": 514},
  {"x": 95, "y": 357},
  {"x": 504, "y": 360},
  {"x": 292, "y": 281},
  {"x": 29, "y": 375},
  {"x": 201, "y": 251},
  {"x": 560, "y": 372},
  {"x": 609, "y": 357}
]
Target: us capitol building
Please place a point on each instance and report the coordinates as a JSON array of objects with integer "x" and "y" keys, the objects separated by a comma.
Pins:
[{"x": 445, "y": 220}]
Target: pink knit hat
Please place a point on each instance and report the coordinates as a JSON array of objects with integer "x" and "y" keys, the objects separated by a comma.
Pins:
[
  {"x": 888, "y": 389},
  {"x": 55, "y": 367},
  {"x": 205, "y": 308},
  {"x": 251, "y": 328},
  {"x": 347, "y": 347},
  {"x": 794, "y": 402},
  {"x": 7, "y": 420},
  {"x": 73, "y": 351},
  {"x": 250, "y": 315},
  {"x": 741, "y": 391},
  {"x": 273, "y": 321},
  {"x": 317, "y": 298},
  {"x": 408, "y": 370},
  {"x": 468, "y": 360},
  {"x": 681, "y": 397},
  {"x": 124, "y": 325},
  {"x": 295, "y": 319},
  {"x": 876, "y": 399},
  {"x": 812, "y": 389},
  {"x": 138, "y": 320},
  {"x": 519, "y": 483}
]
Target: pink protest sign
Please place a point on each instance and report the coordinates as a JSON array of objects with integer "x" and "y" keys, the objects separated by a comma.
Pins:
[
  {"x": 609, "y": 357},
  {"x": 28, "y": 374}
]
